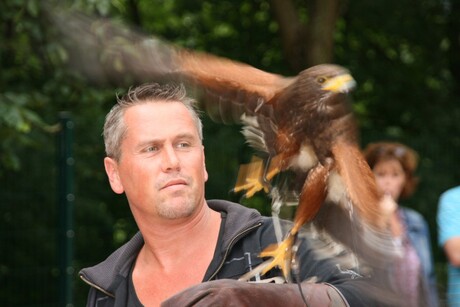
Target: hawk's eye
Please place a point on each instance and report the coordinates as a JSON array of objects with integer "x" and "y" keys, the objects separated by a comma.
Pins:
[{"x": 321, "y": 80}]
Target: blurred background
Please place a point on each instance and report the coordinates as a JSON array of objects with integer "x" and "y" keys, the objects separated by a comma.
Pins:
[{"x": 57, "y": 211}]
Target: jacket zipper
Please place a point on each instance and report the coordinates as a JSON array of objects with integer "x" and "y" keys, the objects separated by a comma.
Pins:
[
  {"x": 232, "y": 242},
  {"x": 96, "y": 286}
]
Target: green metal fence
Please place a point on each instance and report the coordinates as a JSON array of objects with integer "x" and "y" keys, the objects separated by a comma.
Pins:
[{"x": 36, "y": 226}]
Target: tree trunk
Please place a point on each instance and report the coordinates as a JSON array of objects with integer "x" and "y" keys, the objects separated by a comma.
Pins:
[{"x": 305, "y": 45}]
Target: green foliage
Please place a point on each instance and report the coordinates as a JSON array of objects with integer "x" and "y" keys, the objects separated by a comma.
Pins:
[{"x": 17, "y": 121}]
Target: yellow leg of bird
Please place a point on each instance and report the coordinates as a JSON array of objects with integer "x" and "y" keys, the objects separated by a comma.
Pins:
[
  {"x": 274, "y": 167},
  {"x": 252, "y": 177},
  {"x": 312, "y": 197},
  {"x": 251, "y": 186},
  {"x": 281, "y": 254},
  {"x": 272, "y": 173}
]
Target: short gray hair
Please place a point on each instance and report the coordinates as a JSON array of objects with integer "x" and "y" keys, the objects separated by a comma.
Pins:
[{"x": 114, "y": 126}]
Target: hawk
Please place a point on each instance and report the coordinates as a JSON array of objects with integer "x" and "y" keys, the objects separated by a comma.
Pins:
[{"x": 303, "y": 125}]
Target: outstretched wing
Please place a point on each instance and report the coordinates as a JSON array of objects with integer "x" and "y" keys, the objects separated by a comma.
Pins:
[
  {"x": 106, "y": 51},
  {"x": 233, "y": 92},
  {"x": 230, "y": 92},
  {"x": 226, "y": 83}
]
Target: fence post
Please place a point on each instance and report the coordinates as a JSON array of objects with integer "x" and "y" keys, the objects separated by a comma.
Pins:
[{"x": 66, "y": 198}]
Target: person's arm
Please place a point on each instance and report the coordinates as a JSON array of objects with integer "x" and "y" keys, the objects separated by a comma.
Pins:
[
  {"x": 228, "y": 292},
  {"x": 452, "y": 250},
  {"x": 449, "y": 225},
  {"x": 334, "y": 288}
]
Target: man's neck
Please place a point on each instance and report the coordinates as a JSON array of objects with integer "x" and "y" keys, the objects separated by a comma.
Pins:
[
  {"x": 168, "y": 241},
  {"x": 178, "y": 254}
]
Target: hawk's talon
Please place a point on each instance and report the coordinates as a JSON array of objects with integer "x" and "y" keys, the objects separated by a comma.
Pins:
[
  {"x": 252, "y": 177},
  {"x": 281, "y": 254},
  {"x": 251, "y": 187}
]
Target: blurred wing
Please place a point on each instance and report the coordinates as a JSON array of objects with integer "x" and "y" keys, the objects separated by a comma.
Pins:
[
  {"x": 227, "y": 84},
  {"x": 105, "y": 51},
  {"x": 359, "y": 182},
  {"x": 353, "y": 219}
]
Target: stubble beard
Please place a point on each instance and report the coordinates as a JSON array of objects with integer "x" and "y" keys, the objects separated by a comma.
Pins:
[{"x": 177, "y": 208}]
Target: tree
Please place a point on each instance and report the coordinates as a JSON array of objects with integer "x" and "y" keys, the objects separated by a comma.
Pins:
[{"x": 307, "y": 43}]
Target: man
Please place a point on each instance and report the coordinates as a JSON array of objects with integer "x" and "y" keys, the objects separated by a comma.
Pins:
[
  {"x": 449, "y": 240},
  {"x": 153, "y": 140}
]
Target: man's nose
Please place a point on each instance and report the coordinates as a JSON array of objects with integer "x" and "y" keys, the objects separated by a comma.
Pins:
[{"x": 170, "y": 159}]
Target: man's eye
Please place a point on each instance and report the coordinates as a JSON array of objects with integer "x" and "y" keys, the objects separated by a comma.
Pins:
[
  {"x": 183, "y": 145},
  {"x": 151, "y": 149}
]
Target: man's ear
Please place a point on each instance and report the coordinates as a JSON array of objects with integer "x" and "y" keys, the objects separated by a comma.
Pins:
[
  {"x": 204, "y": 167},
  {"x": 111, "y": 168}
]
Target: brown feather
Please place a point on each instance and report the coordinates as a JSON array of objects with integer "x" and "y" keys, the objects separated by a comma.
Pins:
[
  {"x": 359, "y": 182},
  {"x": 312, "y": 196}
]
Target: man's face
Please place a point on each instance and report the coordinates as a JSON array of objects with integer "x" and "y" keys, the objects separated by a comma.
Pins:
[{"x": 162, "y": 167}]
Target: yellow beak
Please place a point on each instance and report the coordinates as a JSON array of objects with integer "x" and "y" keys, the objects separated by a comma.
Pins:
[{"x": 340, "y": 84}]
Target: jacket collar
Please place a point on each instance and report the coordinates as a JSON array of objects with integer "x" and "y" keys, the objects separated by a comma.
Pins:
[
  {"x": 107, "y": 275},
  {"x": 239, "y": 218}
]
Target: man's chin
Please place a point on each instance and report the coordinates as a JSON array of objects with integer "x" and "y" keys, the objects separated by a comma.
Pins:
[{"x": 177, "y": 210}]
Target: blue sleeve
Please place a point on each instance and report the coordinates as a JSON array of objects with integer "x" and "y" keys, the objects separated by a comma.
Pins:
[{"x": 448, "y": 218}]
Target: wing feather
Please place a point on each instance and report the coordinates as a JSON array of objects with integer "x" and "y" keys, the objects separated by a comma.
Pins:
[
  {"x": 124, "y": 55},
  {"x": 359, "y": 180}
]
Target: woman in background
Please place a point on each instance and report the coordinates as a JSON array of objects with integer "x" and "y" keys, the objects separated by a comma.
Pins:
[{"x": 394, "y": 165}]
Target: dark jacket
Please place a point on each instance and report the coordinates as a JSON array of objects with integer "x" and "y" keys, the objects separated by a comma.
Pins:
[{"x": 245, "y": 234}]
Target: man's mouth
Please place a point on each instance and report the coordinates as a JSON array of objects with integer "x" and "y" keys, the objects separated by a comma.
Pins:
[{"x": 175, "y": 182}]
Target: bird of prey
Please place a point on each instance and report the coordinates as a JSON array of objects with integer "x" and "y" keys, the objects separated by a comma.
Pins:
[{"x": 303, "y": 124}]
